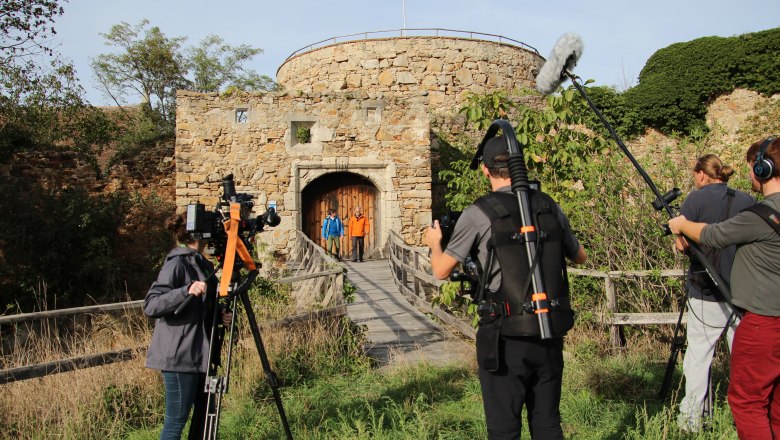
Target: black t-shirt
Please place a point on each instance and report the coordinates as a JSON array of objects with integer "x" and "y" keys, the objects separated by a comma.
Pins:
[{"x": 708, "y": 205}]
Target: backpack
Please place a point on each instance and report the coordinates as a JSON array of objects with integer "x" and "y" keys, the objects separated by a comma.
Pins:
[{"x": 514, "y": 295}]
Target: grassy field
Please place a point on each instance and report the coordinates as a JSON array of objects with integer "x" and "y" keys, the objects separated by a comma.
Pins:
[{"x": 331, "y": 391}]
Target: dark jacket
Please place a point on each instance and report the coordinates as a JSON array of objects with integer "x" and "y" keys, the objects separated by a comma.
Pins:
[{"x": 180, "y": 342}]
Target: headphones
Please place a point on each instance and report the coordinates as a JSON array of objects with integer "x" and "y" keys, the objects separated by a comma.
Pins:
[{"x": 763, "y": 168}]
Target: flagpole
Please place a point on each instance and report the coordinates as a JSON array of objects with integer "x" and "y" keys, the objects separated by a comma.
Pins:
[{"x": 403, "y": 6}]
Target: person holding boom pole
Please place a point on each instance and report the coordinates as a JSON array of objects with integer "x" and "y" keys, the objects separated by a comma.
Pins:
[{"x": 754, "y": 379}]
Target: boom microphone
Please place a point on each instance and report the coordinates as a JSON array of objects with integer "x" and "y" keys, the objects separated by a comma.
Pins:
[
  {"x": 563, "y": 58},
  {"x": 555, "y": 70}
]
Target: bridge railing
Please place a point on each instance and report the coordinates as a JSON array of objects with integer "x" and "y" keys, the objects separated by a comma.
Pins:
[
  {"x": 411, "y": 270},
  {"x": 316, "y": 277}
]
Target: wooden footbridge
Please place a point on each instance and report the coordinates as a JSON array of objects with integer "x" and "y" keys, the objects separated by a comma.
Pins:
[{"x": 397, "y": 331}]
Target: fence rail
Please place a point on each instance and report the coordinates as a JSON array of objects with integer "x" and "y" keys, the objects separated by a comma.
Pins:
[
  {"x": 411, "y": 273},
  {"x": 317, "y": 279}
]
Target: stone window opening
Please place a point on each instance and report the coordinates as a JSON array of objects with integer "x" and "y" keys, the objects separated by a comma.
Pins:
[
  {"x": 373, "y": 114},
  {"x": 242, "y": 115},
  {"x": 301, "y": 132}
]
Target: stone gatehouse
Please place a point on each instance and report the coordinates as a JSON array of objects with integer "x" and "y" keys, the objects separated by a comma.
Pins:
[{"x": 353, "y": 126}]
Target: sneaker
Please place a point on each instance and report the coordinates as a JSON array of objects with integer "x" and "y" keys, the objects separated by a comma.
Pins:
[{"x": 354, "y": 261}]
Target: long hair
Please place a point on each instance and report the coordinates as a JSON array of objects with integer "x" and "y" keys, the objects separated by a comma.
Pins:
[{"x": 713, "y": 168}]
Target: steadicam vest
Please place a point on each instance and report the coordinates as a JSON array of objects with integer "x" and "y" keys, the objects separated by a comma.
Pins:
[{"x": 513, "y": 296}]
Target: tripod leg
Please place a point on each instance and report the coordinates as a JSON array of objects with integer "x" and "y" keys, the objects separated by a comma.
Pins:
[
  {"x": 678, "y": 346},
  {"x": 269, "y": 374},
  {"x": 216, "y": 386},
  {"x": 706, "y": 410}
]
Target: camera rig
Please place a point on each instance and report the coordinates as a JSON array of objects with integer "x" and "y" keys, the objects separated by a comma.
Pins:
[{"x": 230, "y": 232}]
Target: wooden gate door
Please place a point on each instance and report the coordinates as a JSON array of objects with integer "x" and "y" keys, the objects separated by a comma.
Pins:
[{"x": 343, "y": 192}]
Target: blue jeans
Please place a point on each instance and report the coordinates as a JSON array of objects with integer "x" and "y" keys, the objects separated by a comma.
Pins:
[{"x": 182, "y": 391}]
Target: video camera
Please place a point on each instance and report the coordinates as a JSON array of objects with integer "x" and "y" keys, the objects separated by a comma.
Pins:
[{"x": 202, "y": 224}]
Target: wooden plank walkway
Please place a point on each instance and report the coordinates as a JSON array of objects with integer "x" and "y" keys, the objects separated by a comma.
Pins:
[{"x": 398, "y": 333}]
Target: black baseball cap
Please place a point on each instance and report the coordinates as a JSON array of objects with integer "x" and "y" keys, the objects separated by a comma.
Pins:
[{"x": 488, "y": 153}]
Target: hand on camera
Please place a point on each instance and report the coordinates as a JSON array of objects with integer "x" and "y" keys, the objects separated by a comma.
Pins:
[
  {"x": 197, "y": 288},
  {"x": 433, "y": 235}
]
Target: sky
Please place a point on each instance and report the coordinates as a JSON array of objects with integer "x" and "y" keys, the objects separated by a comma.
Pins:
[{"x": 619, "y": 35}]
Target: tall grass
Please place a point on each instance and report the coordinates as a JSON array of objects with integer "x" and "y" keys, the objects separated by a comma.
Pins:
[{"x": 331, "y": 390}]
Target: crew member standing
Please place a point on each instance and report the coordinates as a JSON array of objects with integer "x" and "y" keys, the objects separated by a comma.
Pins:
[
  {"x": 754, "y": 391},
  {"x": 708, "y": 313},
  {"x": 180, "y": 343},
  {"x": 358, "y": 228},
  {"x": 516, "y": 366},
  {"x": 332, "y": 231}
]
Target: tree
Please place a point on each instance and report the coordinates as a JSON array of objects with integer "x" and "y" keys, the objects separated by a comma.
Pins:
[
  {"x": 215, "y": 64},
  {"x": 41, "y": 103},
  {"x": 25, "y": 26},
  {"x": 150, "y": 65}
]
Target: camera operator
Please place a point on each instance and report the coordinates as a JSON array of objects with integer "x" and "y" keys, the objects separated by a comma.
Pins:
[
  {"x": 529, "y": 370},
  {"x": 708, "y": 313},
  {"x": 180, "y": 343},
  {"x": 753, "y": 395}
]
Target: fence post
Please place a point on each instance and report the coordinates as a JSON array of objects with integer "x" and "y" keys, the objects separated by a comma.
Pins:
[
  {"x": 615, "y": 336},
  {"x": 417, "y": 289},
  {"x": 405, "y": 261}
]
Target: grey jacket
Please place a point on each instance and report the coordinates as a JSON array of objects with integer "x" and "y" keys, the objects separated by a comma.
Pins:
[
  {"x": 180, "y": 342},
  {"x": 755, "y": 276}
]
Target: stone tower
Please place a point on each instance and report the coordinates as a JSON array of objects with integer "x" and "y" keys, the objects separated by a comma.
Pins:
[{"x": 351, "y": 127}]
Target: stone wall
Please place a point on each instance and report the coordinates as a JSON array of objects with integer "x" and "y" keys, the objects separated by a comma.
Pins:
[
  {"x": 442, "y": 68},
  {"x": 386, "y": 140},
  {"x": 369, "y": 106},
  {"x": 150, "y": 170}
]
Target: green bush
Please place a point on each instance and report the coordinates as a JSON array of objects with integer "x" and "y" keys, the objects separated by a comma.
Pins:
[
  {"x": 679, "y": 81},
  {"x": 623, "y": 117}
]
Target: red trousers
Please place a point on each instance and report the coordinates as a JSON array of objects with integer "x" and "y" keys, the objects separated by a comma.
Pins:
[{"x": 754, "y": 391}]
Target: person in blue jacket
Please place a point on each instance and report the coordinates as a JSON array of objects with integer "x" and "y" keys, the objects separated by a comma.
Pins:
[
  {"x": 180, "y": 343},
  {"x": 332, "y": 231}
]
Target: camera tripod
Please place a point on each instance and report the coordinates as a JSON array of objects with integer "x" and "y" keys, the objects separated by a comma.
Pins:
[
  {"x": 678, "y": 345},
  {"x": 217, "y": 385},
  {"x": 231, "y": 290}
]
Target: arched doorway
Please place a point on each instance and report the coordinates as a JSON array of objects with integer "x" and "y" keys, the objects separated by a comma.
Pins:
[{"x": 342, "y": 191}]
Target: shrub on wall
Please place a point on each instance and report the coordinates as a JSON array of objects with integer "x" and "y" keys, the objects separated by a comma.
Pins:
[
  {"x": 621, "y": 114},
  {"x": 679, "y": 81}
]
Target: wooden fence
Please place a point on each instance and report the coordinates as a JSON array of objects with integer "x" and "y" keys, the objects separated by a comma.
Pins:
[
  {"x": 412, "y": 275},
  {"x": 411, "y": 272},
  {"x": 316, "y": 278}
]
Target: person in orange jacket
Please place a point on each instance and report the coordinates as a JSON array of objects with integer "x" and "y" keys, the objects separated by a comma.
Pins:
[{"x": 358, "y": 228}]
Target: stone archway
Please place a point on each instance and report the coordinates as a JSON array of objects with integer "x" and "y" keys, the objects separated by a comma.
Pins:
[{"x": 342, "y": 191}]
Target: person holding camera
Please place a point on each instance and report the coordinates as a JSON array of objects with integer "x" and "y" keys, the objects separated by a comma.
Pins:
[
  {"x": 180, "y": 343},
  {"x": 754, "y": 379},
  {"x": 708, "y": 313},
  {"x": 332, "y": 231},
  {"x": 516, "y": 366}
]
